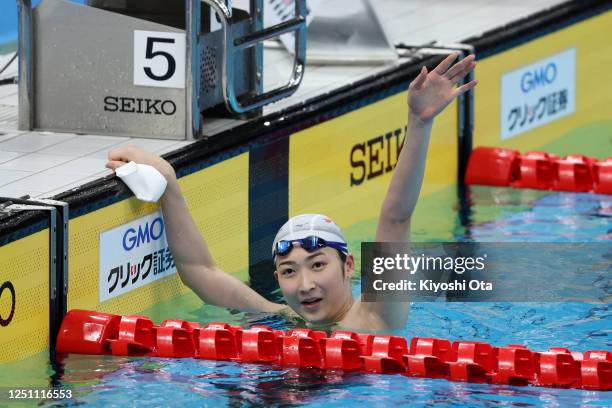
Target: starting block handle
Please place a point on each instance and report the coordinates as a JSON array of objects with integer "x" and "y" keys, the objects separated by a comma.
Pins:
[
  {"x": 267, "y": 33},
  {"x": 231, "y": 45}
]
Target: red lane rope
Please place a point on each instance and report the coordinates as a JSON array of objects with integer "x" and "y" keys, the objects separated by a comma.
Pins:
[
  {"x": 87, "y": 332},
  {"x": 493, "y": 166}
]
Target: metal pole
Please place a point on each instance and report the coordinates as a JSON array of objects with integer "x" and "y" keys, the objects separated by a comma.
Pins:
[
  {"x": 26, "y": 77},
  {"x": 256, "y": 11},
  {"x": 62, "y": 241},
  {"x": 192, "y": 75}
]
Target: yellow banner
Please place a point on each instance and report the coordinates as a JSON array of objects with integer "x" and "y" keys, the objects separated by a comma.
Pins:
[
  {"x": 587, "y": 130},
  {"x": 217, "y": 198},
  {"x": 342, "y": 167},
  {"x": 24, "y": 297}
]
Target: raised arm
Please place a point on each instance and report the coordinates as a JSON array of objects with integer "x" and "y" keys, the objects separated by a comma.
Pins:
[
  {"x": 428, "y": 95},
  {"x": 194, "y": 262}
]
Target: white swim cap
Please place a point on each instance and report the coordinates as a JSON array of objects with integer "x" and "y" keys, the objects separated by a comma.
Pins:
[{"x": 306, "y": 225}]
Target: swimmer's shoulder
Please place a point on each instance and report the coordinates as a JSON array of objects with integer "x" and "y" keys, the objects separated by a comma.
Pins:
[{"x": 361, "y": 318}]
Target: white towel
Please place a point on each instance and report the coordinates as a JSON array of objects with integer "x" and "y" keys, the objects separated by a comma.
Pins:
[{"x": 145, "y": 181}]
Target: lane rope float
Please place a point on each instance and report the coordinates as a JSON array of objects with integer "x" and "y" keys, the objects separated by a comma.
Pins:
[
  {"x": 87, "y": 332},
  {"x": 494, "y": 166}
]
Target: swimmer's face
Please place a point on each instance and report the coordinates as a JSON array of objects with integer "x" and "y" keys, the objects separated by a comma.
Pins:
[{"x": 316, "y": 285}]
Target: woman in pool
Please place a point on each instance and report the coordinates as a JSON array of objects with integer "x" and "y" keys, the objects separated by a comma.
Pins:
[{"x": 313, "y": 265}]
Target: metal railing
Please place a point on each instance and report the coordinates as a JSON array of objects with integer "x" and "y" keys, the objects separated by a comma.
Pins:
[{"x": 230, "y": 46}]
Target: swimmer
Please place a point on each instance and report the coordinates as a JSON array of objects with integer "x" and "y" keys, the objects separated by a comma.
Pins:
[{"x": 313, "y": 265}]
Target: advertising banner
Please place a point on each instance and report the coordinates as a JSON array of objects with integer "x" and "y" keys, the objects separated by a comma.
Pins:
[
  {"x": 134, "y": 255},
  {"x": 538, "y": 93}
]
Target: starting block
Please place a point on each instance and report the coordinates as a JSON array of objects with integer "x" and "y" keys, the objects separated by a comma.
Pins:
[{"x": 145, "y": 67}]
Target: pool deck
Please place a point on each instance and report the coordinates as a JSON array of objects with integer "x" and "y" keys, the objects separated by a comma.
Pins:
[{"x": 44, "y": 164}]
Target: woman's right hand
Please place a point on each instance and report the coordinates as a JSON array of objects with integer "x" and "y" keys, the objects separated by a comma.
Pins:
[{"x": 122, "y": 155}]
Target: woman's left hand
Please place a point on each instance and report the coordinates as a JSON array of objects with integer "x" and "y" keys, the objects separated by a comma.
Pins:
[{"x": 430, "y": 92}]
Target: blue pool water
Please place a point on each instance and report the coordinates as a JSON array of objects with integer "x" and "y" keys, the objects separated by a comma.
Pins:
[{"x": 496, "y": 215}]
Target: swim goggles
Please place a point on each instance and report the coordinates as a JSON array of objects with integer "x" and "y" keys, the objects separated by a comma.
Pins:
[{"x": 310, "y": 244}]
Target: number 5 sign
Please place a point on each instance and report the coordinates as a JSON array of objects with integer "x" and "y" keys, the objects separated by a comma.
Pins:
[{"x": 159, "y": 59}]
